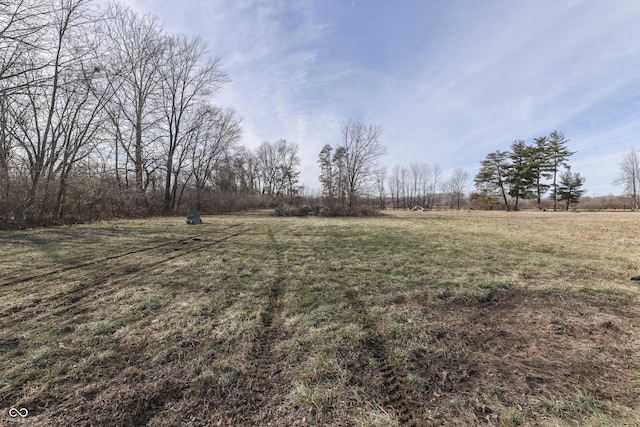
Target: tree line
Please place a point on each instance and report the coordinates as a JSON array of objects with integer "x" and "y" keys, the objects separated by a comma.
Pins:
[
  {"x": 529, "y": 171},
  {"x": 422, "y": 186},
  {"x": 352, "y": 174},
  {"x": 103, "y": 113}
]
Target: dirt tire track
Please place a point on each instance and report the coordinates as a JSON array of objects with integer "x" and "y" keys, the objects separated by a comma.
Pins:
[
  {"x": 254, "y": 392},
  {"x": 187, "y": 247},
  {"x": 395, "y": 394},
  {"x": 156, "y": 244},
  {"x": 262, "y": 366},
  {"x": 65, "y": 302},
  {"x": 92, "y": 261},
  {"x": 396, "y": 399}
]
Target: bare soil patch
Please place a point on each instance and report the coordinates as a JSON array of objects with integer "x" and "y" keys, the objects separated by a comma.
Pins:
[{"x": 524, "y": 350}]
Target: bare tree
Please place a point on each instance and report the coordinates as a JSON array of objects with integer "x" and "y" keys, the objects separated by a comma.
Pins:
[
  {"x": 82, "y": 121},
  {"x": 137, "y": 48},
  {"x": 187, "y": 78},
  {"x": 416, "y": 177},
  {"x": 455, "y": 187},
  {"x": 278, "y": 164},
  {"x": 236, "y": 172},
  {"x": 434, "y": 174},
  {"x": 216, "y": 134},
  {"x": 363, "y": 150},
  {"x": 91, "y": 95},
  {"x": 425, "y": 188},
  {"x": 41, "y": 131},
  {"x": 22, "y": 23},
  {"x": 380, "y": 176},
  {"x": 405, "y": 188},
  {"x": 629, "y": 178},
  {"x": 11, "y": 115},
  {"x": 395, "y": 185}
]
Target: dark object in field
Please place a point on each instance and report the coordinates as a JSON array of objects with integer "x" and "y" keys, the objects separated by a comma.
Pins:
[
  {"x": 194, "y": 218},
  {"x": 636, "y": 278}
]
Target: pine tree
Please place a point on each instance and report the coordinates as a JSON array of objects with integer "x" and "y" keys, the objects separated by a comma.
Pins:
[
  {"x": 520, "y": 176},
  {"x": 540, "y": 168},
  {"x": 557, "y": 153},
  {"x": 493, "y": 174},
  {"x": 570, "y": 187},
  {"x": 326, "y": 173},
  {"x": 340, "y": 174}
]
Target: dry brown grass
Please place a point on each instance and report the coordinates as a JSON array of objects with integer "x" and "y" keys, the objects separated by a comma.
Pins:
[{"x": 412, "y": 318}]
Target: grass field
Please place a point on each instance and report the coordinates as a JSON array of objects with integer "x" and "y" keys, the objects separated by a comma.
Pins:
[{"x": 418, "y": 319}]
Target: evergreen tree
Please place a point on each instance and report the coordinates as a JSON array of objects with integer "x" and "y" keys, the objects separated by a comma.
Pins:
[
  {"x": 540, "y": 168},
  {"x": 326, "y": 173},
  {"x": 483, "y": 199},
  {"x": 521, "y": 175},
  {"x": 570, "y": 187},
  {"x": 493, "y": 174},
  {"x": 557, "y": 153},
  {"x": 340, "y": 174}
]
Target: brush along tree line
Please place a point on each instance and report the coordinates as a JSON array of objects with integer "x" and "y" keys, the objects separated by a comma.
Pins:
[
  {"x": 352, "y": 176},
  {"x": 103, "y": 114},
  {"x": 529, "y": 172}
]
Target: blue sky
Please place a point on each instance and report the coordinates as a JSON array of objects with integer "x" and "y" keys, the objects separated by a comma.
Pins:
[{"x": 448, "y": 80}]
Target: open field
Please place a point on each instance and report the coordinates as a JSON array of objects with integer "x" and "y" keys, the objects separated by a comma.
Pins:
[{"x": 406, "y": 319}]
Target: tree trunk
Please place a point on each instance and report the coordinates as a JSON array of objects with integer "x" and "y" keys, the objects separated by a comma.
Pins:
[
  {"x": 167, "y": 185},
  {"x": 555, "y": 190},
  {"x": 138, "y": 151}
]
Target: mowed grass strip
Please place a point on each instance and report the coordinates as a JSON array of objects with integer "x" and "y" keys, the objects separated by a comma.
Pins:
[{"x": 483, "y": 318}]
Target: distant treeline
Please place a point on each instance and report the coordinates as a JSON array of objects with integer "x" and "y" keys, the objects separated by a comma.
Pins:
[{"x": 103, "y": 114}]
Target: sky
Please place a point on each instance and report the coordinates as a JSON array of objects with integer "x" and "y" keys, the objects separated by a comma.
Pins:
[{"x": 448, "y": 81}]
